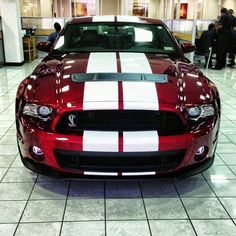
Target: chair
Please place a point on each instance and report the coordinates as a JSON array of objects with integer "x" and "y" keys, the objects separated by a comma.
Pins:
[
  {"x": 118, "y": 39},
  {"x": 204, "y": 46},
  {"x": 29, "y": 47},
  {"x": 198, "y": 56}
]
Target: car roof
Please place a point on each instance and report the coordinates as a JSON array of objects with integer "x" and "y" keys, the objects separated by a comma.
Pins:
[{"x": 112, "y": 18}]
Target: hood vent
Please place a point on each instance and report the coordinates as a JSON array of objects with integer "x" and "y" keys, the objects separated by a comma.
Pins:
[{"x": 85, "y": 77}]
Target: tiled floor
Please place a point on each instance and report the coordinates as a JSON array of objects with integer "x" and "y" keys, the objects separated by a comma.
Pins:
[{"x": 31, "y": 204}]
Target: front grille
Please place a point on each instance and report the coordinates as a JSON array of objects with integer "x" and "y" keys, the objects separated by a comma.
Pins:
[
  {"x": 118, "y": 162},
  {"x": 166, "y": 123}
]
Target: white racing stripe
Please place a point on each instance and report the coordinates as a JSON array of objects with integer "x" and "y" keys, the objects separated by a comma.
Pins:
[
  {"x": 99, "y": 141},
  {"x": 128, "y": 19},
  {"x": 140, "y": 95},
  {"x": 151, "y": 106},
  {"x": 106, "y": 18},
  {"x": 138, "y": 173},
  {"x": 116, "y": 174},
  {"x": 104, "y": 95},
  {"x": 134, "y": 63},
  {"x": 102, "y": 62},
  {"x": 101, "y": 173},
  {"x": 101, "y": 95},
  {"x": 140, "y": 141}
]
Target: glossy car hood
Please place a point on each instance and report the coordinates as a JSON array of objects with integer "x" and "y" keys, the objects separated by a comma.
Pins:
[{"x": 51, "y": 82}]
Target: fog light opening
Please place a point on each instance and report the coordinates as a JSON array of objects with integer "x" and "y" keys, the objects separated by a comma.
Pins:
[
  {"x": 36, "y": 153},
  {"x": 201, "y": 153}
]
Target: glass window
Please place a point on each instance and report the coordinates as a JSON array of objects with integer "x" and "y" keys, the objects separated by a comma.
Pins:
[{"x": 127, "y": 37}]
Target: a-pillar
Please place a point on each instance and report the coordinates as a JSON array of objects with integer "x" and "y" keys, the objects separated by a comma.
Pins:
[{"x": 12, "y": 36}]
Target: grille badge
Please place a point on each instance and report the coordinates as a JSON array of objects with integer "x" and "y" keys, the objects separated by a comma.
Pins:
[{"x": 71, "y": 119}]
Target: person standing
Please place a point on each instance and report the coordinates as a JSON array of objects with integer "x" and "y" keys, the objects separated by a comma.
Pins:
[
  {"x": 224, "y": 27},
  {"x": 233, "y": 40}
]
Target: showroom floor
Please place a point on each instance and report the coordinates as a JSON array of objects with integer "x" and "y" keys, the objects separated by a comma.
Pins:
[{"x": 32, "y": 204}]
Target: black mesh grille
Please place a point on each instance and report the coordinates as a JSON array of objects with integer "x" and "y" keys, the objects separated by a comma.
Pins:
[
  {"x": 166, "y": 123},
  {"x": 119, "y": 162}
]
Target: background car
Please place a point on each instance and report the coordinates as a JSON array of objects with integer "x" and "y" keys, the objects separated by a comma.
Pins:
[{"x": 116, "y": 97}]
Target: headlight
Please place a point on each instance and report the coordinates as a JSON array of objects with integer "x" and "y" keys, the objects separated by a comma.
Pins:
[
  {"x": 194, "y": 113},
  {"x": 42, "y": 112},
  {"x": 208, "y": 110}
]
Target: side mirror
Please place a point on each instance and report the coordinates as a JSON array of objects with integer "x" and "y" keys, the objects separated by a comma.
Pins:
[
  {"x": 43, "y": 46},
  {"x": 187, "y": 47}
]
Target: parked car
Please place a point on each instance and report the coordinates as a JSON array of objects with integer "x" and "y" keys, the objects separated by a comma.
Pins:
[{"x": 116, "y": 97}]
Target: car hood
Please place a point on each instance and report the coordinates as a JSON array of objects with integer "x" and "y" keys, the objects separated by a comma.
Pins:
[{"x": 53, "y": 81}]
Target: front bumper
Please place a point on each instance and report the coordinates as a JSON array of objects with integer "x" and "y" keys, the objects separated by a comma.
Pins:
[
  {"x": 183, "y": 173},
  {"x": 52, "y": 143}
]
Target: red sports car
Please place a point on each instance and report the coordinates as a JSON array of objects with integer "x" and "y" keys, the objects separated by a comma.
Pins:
[{"x": 115, "y": 96}]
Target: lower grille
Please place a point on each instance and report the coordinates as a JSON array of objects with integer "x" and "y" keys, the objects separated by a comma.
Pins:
[
  {"x": 118, "y": 162},
  {"x": 166, "y": 123}
]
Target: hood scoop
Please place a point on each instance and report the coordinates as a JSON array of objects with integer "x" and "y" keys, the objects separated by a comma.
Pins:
[{"x": 85, "y": 77}]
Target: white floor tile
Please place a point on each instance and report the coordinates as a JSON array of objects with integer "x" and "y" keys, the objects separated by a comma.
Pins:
[{"x": 115, "y": 207}]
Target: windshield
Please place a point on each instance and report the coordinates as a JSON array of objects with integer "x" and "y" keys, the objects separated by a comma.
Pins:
[{"x": 122, "y": 37}]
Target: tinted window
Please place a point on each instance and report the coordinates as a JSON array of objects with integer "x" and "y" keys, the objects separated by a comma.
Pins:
[{"x": 125, "y": 37}]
